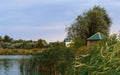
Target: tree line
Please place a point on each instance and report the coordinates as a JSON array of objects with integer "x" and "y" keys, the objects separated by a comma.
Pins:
[{"x": 10, "y": 43}]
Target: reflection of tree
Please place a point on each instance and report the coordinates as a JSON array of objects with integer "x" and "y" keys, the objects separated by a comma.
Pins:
[
  {"x": 9, "y": 67},
  {"x": 6, "y": 65}
]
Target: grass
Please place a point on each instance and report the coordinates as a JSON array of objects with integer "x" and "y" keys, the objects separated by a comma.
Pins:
[
  {"x": 102, "y": 59},
  {"x": 19, "y": 51},
  {"x": 52, "y": 61}
]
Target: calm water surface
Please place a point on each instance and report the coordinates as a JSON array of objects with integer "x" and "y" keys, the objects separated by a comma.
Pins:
[{"x": 10, "y": 64}]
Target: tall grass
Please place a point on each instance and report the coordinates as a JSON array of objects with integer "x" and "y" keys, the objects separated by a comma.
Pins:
[
  {"x": 54, "y": 61},
  {"x": 103, "y": 59}
]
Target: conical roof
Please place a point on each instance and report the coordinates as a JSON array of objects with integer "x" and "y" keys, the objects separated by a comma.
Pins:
[
  {"x": 97, "y": 36},
  {"x": 67, "y": 39}
]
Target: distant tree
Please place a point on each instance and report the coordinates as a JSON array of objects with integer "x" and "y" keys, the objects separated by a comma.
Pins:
[
  {"x": 1, "y": 39},
  {"x": 90, "y": 22},
  {"x": 19, "y": 41},
  {"x": 7, "y": 39},
  {"x": 40, "y": 43},
  {"x": 56, "y": 44},
  {"x": 44, "y": 42},
  {"x": 8, "y": 42},
  {"x": 24, "y": 45}
]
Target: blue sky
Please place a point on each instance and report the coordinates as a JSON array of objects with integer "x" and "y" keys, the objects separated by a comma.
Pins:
[{"x": 47, "y": 19}]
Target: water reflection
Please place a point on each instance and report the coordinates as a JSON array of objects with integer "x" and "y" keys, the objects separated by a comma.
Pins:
[{"x": 10, "y": 65}]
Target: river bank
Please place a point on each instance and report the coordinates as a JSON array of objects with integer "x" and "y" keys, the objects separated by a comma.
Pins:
[{"x": 19, "y": 51}]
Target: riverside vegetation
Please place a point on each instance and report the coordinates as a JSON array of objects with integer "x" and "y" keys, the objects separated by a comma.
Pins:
[
  {"x": 55, "y": 59},
  {"x": 102, "y": 59},
  {"x": 9, "y": 46}
]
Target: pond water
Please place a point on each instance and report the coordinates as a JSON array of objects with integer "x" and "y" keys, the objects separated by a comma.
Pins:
[{"x": 10, "y": 64}]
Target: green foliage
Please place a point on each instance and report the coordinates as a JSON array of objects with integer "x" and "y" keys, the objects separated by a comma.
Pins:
[
  {"x": 9, "y": 43},
  {"x": 56, "y": 44},
  {"x": 7, "y": 39},
  {"x": 52, "y": 61},
  {"x": 90, "y": 22},
  {"x": 103, "y": 59},
  {"x": 113, "y": 39},
  {"x": 78, "y": 42},
  {"x": 40, "y": 43},
  {"x": 1, "y": 38}
]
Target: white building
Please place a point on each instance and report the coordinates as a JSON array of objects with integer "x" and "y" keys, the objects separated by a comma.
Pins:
[{"x": 68, "y": 42}]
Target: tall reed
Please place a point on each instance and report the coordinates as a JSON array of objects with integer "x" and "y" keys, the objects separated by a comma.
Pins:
[
  {"x": 102, "y": 59},
  {"x": 53, "y": 61}
]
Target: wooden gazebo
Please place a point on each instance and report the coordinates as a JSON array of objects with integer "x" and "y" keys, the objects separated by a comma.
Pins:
[{"x": 94, "y": 39}]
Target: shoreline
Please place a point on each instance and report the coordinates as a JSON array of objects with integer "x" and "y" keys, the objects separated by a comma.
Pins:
[{"x": 19, "y": 51}]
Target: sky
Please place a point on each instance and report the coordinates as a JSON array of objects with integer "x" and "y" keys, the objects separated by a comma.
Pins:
[{"x": 47, "y": 19}]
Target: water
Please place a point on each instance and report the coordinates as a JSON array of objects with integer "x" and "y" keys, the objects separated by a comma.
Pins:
[{"x": 10, "y": 64}]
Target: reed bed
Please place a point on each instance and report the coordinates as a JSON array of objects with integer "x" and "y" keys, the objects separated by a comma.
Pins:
[
  {"x": 54, "y": 61},
  {"x": 101, "y": 59}
]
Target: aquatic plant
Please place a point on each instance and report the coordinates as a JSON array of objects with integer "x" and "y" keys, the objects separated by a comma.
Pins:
[{"x": 53, "y": 61}]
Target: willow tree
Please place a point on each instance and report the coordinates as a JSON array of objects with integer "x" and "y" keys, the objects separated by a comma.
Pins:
[{"x": 90, "y": 22}]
